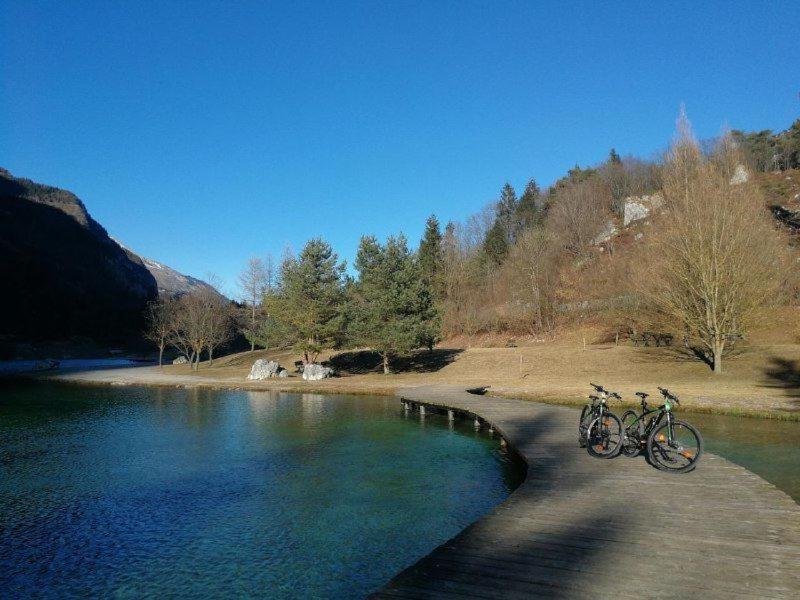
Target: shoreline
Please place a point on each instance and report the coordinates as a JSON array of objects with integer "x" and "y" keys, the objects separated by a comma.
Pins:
[{"x": 353, "y": 385}]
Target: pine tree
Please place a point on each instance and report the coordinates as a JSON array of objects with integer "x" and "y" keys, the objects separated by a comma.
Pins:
[
  {"x": 528, "y": 211},
  {"x": 613, "y": 158},
  {"x": 305, "y": 310},
  {"x": 392, "y": 308},
  {"x": 507, "y": 212},
  {"x": 430, "y": 254}
]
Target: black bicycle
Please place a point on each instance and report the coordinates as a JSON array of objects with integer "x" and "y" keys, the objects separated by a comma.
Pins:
[
  {"x": 671, "y": 445},
  {"x": 600, "y": 430}
]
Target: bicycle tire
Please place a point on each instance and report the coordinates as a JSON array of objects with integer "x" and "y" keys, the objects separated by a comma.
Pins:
[
  {"x": 629, "y": 450},
  {"x": 657, "y": 450},
  {"x": 605, "y": 448},
  {"x": 583, "y": 425}
]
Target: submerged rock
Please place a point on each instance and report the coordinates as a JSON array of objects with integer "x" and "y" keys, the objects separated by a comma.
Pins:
[
  {"x": 264, "y": 369},
  {"x": 315, "y": 372},
  {"x": 181, "y": 360}
]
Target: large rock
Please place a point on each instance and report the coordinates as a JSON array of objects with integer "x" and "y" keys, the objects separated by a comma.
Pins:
[
  {"x": 264, "y": 369},
  {"x": 637, "y": 208},
  {"x": 315, "y": 372},
  {"x": 608, "y": 232},
  {"x": 740, "y": 175},
  {"x": 181, "y": 360},
  {"x": 283, "y": 373}
]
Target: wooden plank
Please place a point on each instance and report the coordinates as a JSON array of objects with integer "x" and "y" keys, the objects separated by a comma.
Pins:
[{"x": 582, "y": 527}]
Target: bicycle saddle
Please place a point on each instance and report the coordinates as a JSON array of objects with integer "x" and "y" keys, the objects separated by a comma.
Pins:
[{"x": 642, "y": 395}]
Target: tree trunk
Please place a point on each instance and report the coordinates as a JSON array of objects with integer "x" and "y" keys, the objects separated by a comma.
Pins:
[
  {"x": 719, "y": 346},
  {"x": 386, "y": 370},
  {"x": 161, "y": 356},
  {"x": 211, "y": 356},
  {"x": 252, "y": 345}
]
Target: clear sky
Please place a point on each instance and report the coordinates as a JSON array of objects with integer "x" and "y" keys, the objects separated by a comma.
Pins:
[{"x": 201, "y": 133}]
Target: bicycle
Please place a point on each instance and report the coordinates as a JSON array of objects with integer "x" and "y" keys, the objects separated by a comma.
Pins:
[
  {"x": 599, "y": 430},
  {"x": 671, "y": 445}
]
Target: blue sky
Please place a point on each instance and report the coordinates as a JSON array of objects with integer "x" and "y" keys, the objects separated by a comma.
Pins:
[{"x": 202, "y": 133}]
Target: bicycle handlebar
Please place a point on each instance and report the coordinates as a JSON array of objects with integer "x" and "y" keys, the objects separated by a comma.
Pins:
[
  {"x": 667, "y": 394},
  {"x": 600, "y": 389}
]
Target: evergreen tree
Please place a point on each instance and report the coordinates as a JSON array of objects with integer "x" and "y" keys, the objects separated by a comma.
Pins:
[
  {"x": 392, "y": 308},
  {"x": 528, "y": 211},
  {"x": 613, "y": 158},
  {"x": 507, "y": 212},
  {"x": 305, "y": 309},
  {"x": 495, "y": 246},
  {"x": 503, "y": 231},
  {"x": 430, "y": 254}
]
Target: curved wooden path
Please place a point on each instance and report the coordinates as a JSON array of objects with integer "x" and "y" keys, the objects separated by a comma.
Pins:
[{"x": 580, "y": 527}]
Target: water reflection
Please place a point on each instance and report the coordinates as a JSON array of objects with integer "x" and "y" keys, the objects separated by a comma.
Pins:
[{"x": 125, "y": 491}]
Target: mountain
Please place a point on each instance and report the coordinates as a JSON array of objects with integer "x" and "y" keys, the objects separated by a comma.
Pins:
[
  {"x": 62, "y": 275},
  {"x": 169, "y": 281}
]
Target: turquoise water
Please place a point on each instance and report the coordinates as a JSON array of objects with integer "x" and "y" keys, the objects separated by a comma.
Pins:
[
  {"x": 767, "y": 447},
  {"x": 134, "y": 492}
]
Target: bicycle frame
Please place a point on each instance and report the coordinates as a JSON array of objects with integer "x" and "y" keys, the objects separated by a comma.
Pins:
[{"x": 650, "y": 425}]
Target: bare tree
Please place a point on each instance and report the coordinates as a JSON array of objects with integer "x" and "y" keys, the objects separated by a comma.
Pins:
[
  {"x": 190, "y": 329},
  {"x": 253, "y": 282},
  {"x": 220, "y": 324},
  {"x": 160, "y": 320},
  {"x": 716, "y": 262},
  {"x": 578, "y": 213},
  {"x": 532, "y": 272}
]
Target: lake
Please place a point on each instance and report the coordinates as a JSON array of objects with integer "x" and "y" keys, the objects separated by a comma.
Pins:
[{"x": 133, "y": 492}]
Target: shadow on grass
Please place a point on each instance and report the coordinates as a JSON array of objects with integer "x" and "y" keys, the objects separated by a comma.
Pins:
[
  {"x": 693, "y": 354},
  {"x": 360, "y": 362},
  {"x": 784, "y": 374}
]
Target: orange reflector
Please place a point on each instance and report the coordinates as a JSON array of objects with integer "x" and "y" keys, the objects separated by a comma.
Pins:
[
  {"x": 607, "y": 422},
  {"x": 661, "y": 437},
  {"x": 689, "y": 455}
]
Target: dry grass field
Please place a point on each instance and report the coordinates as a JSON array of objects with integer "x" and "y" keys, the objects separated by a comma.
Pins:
[{"x": 761, "y": 378}]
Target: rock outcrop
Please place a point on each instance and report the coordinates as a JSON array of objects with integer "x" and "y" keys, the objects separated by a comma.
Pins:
[
  {"x": 315, "y": 372},
  {"x": 181, "y": 360},
  {"x": 264, "y": 369},
  {"x": 740, "y": 175},
  {"x": 637, "y": 208}
]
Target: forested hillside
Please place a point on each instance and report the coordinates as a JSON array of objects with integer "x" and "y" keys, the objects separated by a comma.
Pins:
[{"x": 684, "y": 249}]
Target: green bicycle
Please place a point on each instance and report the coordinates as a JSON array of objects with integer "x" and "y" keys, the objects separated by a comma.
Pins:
[
  {"x": 600, "y": 430},
  {"x": 671, "y": 445}
]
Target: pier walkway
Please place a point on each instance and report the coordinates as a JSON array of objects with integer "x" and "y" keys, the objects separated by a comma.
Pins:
[{"x": 581, "y": 527}]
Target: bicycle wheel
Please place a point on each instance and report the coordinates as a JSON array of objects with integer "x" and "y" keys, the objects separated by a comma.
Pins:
[
  {"x": 677, "y": 452},
  {"x": 604, "y": 437},
  {"x": 583, "y": 425},
  {"x": 631, "y": 441}
]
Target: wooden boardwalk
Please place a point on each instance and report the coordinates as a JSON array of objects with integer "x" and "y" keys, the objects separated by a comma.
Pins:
[{"x": 580, "y": 527}]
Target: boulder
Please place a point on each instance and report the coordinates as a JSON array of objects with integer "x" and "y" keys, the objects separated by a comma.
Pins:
[
  {"x": 637, "y": 208},
  {"x": 181, "y": 360},
  {"x": 264, "y": 369},
  {"x": 283, "y": 373},
  {"x": 740, "y": 175},
  {"x": 315, "y": 372},
  {"x": 608, "y": 232}
]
